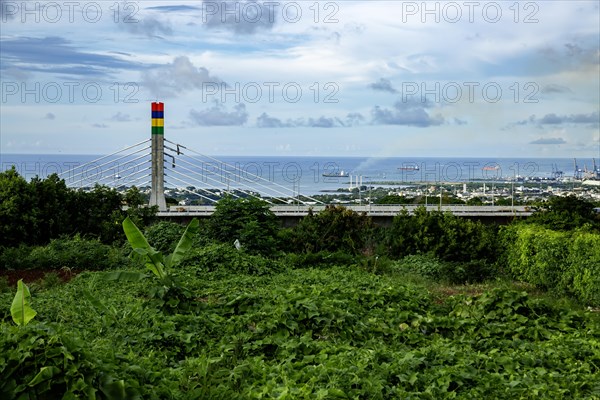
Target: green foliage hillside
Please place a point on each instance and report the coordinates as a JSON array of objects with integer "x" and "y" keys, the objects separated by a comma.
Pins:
[
  {"x": 339, "y": 332},
  {"x": 334, "y": 308}
]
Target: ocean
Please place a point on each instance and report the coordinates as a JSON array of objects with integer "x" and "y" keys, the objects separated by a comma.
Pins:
[{"x": 286, "y": 174}]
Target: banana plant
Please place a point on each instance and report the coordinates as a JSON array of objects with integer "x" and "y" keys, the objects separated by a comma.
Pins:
[
  {"x": 161, "y": 266},
  {"x": 20, "y": 310}
]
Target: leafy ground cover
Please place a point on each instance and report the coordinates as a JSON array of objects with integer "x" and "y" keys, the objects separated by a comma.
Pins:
[{"x": 330, "y": 333}]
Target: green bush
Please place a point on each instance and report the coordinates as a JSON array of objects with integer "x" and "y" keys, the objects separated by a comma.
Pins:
[
  {"x": 445, "y": 235},
  {"x": 424, "y": 265},
  {"x": 537, "y": 255},
  {"x": 15, "y": 257},
  {"x": 69, "y": 253},
  {"x": 249, "y": 220},
  {"x": 566, "y": 213},
  {"x": 322, "y": 259},
  {"x": 335, "y": 229},
  {"x": 37, "y": 211},
  {"x": 583, "y": 267},
  {"x": 473, "y": 271},
  {"x": 376, "y": 265},
  {"x": 226, "y": 259},
  {"x": 565, "y": 262},
  {"x": 429, "y": 266},
  {"x": 163, "y": 236}
]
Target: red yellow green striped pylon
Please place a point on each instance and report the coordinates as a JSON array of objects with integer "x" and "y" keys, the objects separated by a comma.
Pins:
[{"x": 158, "y": 118}]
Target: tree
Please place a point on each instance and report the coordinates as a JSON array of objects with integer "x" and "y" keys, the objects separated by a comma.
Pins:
[
  {"x": 336, "y": 228},
  {"x": 17, "y": 216},
  {"x": 565, "y": 213},
  {"x": 444, "y": 235},
  {"x": 475, "y": 201},
  {"x": 394, "y": 199},
  {"x": 50, "y": 198},
  {"x": 45, "y": 209},
  {"x": 249, "y": 220}
]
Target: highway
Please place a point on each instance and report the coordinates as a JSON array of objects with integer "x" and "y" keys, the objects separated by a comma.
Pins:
[{"x": 373, "y": 210}]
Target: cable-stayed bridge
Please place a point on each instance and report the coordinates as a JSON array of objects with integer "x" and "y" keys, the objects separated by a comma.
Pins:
[
  {"x": 159, "y": 165},
  {"x": 183, "y": 169}
]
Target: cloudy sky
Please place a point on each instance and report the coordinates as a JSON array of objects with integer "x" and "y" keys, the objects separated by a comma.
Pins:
[{"x": 330, "y": 78}]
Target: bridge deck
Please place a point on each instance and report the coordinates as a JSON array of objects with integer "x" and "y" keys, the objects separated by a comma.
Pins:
[{"x": 374, "y": 210}]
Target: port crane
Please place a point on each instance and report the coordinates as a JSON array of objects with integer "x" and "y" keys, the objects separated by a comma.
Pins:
[
  {"x": 556, "y": 173},
  {"x": 578, "y": 171},
  {"x": 594, "y": 173}
]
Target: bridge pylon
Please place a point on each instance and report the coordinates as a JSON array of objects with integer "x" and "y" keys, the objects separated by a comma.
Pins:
[{"x": 157, "y": 193}]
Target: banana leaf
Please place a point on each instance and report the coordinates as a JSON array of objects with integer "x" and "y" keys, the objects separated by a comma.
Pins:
[
  {"x": 184, "y": 245},
  {"x": 141, "y": 246},
  {"x": 20, "y": 310}
]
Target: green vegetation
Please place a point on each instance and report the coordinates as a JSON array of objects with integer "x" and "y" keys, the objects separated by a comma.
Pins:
[
  {"x": 566, "y": 213},
  {"x": 20, "y": 310},
  {"x": 248, "y": 220},
  {"x": 433, "y": 306},
  {"x": 35, "y": 212},
  {"x": 444, "y": 235},
  {"x": 73, "y": 253},
  {"x": 565, "y": 262},
  {"x": 164, "y": 235},
  {"x": 337, "y": 332},
  {"x": 170, "y": 293},
  {"x": 334, "y": 229}
]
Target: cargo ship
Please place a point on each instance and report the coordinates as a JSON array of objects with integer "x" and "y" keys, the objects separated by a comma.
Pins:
[
  {"x": 340, "y": 174},
  {"x": 409, "y": 168},
  {"x": 491, "y": 168}
]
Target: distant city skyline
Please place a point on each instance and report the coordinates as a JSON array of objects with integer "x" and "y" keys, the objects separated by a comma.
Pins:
[{"x": 292, "y": 78}]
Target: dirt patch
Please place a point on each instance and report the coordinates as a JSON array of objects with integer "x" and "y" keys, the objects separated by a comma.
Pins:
[{"x": 34, "y": 275}]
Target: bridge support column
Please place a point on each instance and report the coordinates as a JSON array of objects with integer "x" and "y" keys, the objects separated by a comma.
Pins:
[{"x": 157, "y": 193}]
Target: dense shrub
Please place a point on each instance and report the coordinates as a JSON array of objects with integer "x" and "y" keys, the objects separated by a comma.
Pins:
[
  {"x": 250, "y": 221},
  {"x": 429, "y": 266},
  {"x": 335, "y": 229},
  {"x": 583, "y": 271},
  {"x": 566, "y": 213},
  {"x": 322, "y": 259},
  {"x": 444, "y": 235},
  {"x": 35, "y": 212},
  {"x": 537, "y": 255},
  {"x": 72, "y": 253},
  {"x": 226, "y": 259},
  {"x": 15, "y": 257},
  {"x": 566, "y": 262},
  {"x": 164, "y": 235}
]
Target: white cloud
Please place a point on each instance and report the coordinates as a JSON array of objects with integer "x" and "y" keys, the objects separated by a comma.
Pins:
[
  {"x": 179, "y": 76},
  {"x": 219, "y": 116}
]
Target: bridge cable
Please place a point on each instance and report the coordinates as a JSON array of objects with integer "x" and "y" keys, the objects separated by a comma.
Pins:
[
  {"x": 254, "y": 175},
  {"x": 106, "y": 163},
  {"x": 249, "y": 193},
  {"x": 103, "y": 157}
]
